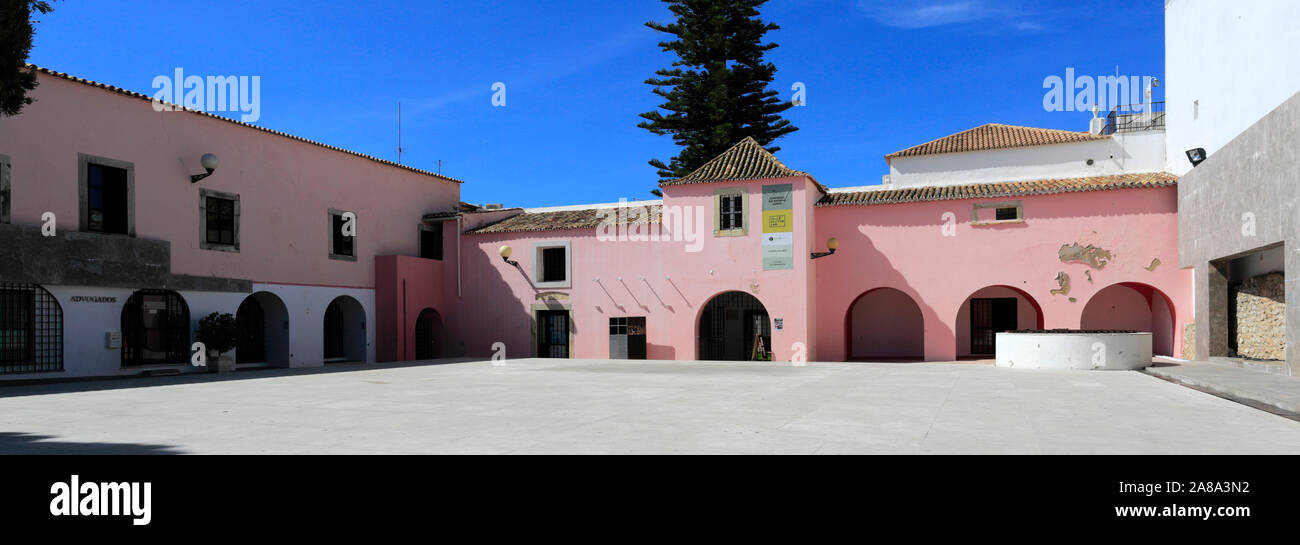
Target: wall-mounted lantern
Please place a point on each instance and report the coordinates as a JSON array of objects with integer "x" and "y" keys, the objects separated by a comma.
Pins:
[
  {"x": 505, "y": 256},
  {"x": 831, "y": 245},
  {"x": 209, "y": 162},
  {"x": 1196, "y": 156}
]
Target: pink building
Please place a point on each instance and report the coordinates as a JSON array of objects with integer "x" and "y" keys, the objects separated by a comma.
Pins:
[{"x": 991, "y": 229}]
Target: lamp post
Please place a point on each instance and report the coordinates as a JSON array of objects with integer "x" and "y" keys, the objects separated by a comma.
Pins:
[
  {"x": 209, "y": 162},
  {"x": 831, "y": 244},
  {"x": 505, "y": 256}
]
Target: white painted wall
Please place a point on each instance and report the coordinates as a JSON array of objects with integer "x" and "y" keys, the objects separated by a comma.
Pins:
[
  {"x": 1124, "y": 153},
  {"x": 85, "y": 353},
  {"x": 1238, "y": 59},
  {"x": 306, "y": 306}
]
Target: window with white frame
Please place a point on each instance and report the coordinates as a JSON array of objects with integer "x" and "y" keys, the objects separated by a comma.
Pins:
[
  {"x": 551, "y": 264},
  {"x": 729, "y": 212},
  {"x": 1002, "y": 212}
]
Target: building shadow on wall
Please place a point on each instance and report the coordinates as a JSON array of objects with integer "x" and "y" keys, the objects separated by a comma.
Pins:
[
  {"x": 889, "y": 277},
  {"x": 489, "y": 311},
  {"x": 12, "y": 443}
]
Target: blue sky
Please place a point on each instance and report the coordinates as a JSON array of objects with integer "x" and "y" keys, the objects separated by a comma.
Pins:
[{"x": 880, "y": 76}]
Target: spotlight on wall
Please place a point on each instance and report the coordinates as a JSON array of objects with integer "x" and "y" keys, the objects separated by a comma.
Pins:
[
  {"x": 209, "y": 162},
  {"x": 505, "y": 256},
  {"x": 1196, "y": 156},
  {"x": 831, "y": 245}
]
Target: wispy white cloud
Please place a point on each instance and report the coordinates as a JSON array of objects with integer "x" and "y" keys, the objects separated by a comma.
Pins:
[
  {"x": 923, "y": 14},
  {"x": 917, "y": 14},
  {"x": 563, "y": 65}
]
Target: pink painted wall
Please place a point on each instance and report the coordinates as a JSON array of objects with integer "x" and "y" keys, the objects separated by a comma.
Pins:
[
  {"x": 1132, "y": 307},
  {"x": 902, "y": 246},
  {"x": 497, "y": 298},
  {"x": 405, "y": 286},
  {"x": 286, "y": 186},
  {"x": 1027, "y": 314},
  {"x": 886, "y": 323}
]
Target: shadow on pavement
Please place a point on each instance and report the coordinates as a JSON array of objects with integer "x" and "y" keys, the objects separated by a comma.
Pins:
[
  {"x": 28, "y": 443},
  {"x": 94, "y": 384}
]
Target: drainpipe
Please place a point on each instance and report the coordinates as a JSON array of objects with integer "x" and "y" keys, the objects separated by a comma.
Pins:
[
  {"x": 459, "y": 228},
  {"x": 403, "y": 336}
]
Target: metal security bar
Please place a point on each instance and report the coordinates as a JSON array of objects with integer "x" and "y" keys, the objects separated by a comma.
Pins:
[
  {"x": 31, "y": 329},
  {"x": 1135, "y": 117},
  {"x": 155, "y": 329}
]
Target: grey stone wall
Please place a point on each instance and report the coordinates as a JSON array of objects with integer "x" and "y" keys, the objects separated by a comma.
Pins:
[
  {"x": 91, "y": 259},
  {"x": 1241, "y": 199},
  {"x": 1261, "y": 318}
]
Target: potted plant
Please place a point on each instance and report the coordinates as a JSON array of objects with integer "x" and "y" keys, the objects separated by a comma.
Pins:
[{"x": 220, "y": 333}]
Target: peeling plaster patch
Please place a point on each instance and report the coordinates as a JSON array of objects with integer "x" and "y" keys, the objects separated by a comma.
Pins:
[
  {"x": 1089, "y": 275},
  {"x": 1095, "y": 257},
  {"x": 1062, "y": 280},
  {"x": 1154, "y": 263},
  {"x": 1073, "y": 300}
]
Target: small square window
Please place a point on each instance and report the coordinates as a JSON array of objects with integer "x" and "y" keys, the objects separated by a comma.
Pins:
[
  {"x": 729, "y": 211},
  {"x": 1002, "y": 212},
  {"x": 551, "y": 264},
  {"x": 342, "y": 236},
  {"x": 219, "y": 220},
  {"x": 106, "y": 190},
  {"x": 431, "y": 241}
]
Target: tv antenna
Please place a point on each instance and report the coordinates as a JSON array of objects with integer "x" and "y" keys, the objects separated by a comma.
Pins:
[{"x": 399, "y": 133}]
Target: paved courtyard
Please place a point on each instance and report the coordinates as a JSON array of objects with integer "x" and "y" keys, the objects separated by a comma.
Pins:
[{"x": 596, "y": 406}]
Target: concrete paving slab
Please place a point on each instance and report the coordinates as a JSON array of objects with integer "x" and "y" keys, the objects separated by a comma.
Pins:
[
  {"x": 620, "y": 407},
  {"x": 1265, "y": 390}
]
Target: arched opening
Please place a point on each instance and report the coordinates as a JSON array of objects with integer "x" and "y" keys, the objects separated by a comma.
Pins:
[
  {"x": 31, "y": 329},
  {"x": 345, "y": 330},
  {"x": 426, "y": 334},
  {"x": 265, "y": 322},
  {"x": 734, "y": 326},
  {"x": 885, "y": 324},
  {"x": 992, "y": 310},
  {"x": 1132, "y": 306},
  {"x": 155, "y": 329}
]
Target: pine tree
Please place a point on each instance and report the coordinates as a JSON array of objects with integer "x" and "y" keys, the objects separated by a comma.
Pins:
[
  {"x": 15, "y": 44},
  {"x": 716, "y": 92}
]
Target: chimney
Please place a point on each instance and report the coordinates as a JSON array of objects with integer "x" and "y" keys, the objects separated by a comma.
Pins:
[{"x": 1097, "y": 124}]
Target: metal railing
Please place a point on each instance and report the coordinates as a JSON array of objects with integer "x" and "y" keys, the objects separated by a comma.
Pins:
[{"x": 1149, "y": 116}]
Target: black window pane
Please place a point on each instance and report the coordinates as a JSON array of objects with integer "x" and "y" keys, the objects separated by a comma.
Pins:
[
  {"x": 342, "y": 244},
  {"x": 221, "y": 220},
  {"x": 431, "y": 241},
  {"x": 1007, "y": 214},
  {"x": 106, "y": 192},
  {"x": 553, "y": 265}
]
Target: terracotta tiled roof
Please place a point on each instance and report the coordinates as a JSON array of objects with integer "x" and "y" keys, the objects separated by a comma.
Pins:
[
  {"x": 996, "y": 136},
  {"x": 998, "y": 189},
  {"x": 134, "y": 94},
  {"x": 587, "y": 218},
  {"x": 744, "y": 161}
]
